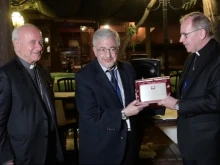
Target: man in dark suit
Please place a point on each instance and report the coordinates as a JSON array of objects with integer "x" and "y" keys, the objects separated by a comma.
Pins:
[
  {"x": 105, "y": 98},
  {"x": 28, "y": 127},
  {"x": 198, "y": 104}
]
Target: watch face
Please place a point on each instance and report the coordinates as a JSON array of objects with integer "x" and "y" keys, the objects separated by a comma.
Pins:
[{"x": 124, "y": 117}]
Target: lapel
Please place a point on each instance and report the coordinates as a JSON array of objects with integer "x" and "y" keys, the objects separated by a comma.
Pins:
[
  {"x": 200, "y": 63},
  {"x": 47, "y": 97},
  {"x": 186, "y": 69},
  {"x": 31, "y": 90},
  {"x": 187, "y": 65},
  {"x": 125, "y": 82},
  {"x": 104, "y": 82},
  {"x": 26, "y": 81}
]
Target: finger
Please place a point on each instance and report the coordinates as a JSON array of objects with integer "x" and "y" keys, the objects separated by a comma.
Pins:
[{"x": 160, "y": 103}]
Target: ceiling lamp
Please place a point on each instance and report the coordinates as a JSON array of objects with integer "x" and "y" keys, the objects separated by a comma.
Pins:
[{"x": 17, "y": 19}]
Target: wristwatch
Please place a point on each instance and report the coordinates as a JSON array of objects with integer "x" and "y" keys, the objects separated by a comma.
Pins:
[
  {"x": 177, "y": 105},
  {"x": 123, "y": 116}
]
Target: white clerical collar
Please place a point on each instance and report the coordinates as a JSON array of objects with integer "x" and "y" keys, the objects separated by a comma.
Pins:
[
  {"x": 197, "y": 53},
  {"x": 32, "y": 66}
]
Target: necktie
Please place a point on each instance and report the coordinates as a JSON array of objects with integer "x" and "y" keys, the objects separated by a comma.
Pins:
[{"x": 115, "y": 84}]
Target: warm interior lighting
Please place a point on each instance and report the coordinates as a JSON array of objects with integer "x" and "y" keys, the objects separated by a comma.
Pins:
[
  {"x": 83, "y": 28},
  {"x": 46, "y": 40},
  {"x": 152, "y": 29},
  {"x": 106, "y": 26},
  {"x": 17, "y": 19},
  {"x": 73, "y": 43}
]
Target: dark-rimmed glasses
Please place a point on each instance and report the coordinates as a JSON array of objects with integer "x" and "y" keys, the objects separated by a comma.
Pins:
[
  {"x": 112, "y": 50},
  {"x": 186, "y": 34}
]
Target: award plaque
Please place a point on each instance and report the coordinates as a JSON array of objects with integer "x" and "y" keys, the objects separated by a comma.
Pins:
[{"x": 153, "y": 89}]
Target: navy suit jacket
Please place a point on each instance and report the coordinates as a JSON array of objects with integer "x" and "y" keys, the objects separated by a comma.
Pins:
[
  {"x": 24, "y": 122},
  {"x": 103, "y": 133}
]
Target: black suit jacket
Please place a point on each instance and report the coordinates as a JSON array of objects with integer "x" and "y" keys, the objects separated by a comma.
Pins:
[
  {"x": 24, "y": 118},
  {"x": 103, "y": 133},
  {"x": 198, "y": 122}
]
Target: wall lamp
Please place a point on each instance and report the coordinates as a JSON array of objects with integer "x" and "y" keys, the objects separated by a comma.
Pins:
[{"x": 17, "y": 19}]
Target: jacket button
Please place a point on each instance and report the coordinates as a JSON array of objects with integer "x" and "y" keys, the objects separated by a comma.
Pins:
[{"x": 122, "y": 138}]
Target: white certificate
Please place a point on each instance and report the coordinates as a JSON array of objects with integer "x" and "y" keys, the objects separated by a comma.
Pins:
[{"x": 153, "y": 92}]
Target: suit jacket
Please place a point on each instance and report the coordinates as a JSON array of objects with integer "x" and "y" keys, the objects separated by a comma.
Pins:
[
  {"x": 198, "y": 124},
  {"x": 24, "y": 118},
  {"x": 103, "y": 133}
]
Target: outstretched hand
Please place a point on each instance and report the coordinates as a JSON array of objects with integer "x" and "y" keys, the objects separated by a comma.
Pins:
[
  {"x": 168, "y": 102},
  {"x": 135, "y": 107}
]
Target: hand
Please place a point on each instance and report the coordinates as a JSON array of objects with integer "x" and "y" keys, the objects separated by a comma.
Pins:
[
  {"x": 9, "y": 163},
  {"x": 135, "y": 107},
  {"x": 168, "y": 102}
]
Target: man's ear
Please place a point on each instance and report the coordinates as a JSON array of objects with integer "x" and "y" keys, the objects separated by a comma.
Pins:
[
  {"x": 16, "y": 43},
  {"x": 94, "y": 50},
  {"x": 203, "y": 33}
]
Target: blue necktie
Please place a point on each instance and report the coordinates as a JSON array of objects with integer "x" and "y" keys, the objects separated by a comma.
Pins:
[{"x": 115, "y": 84}]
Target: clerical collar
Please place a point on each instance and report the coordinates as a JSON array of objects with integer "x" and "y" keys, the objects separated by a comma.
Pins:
[
  {"x": 27, "y": 65},
  {"x": 197, "y": 53}
]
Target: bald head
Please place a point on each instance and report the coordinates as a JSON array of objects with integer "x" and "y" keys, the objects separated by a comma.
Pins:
[{"x": 28, "y": 43}]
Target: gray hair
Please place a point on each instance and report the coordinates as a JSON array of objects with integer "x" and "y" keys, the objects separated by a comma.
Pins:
[
  {"x": 104, "y": 34},
  {"x": 199, "y": 21},
  {"x": 15, "y": 31}
]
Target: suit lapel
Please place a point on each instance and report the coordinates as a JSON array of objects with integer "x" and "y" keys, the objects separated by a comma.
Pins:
[
  {"x": 200, "y": 64},
  {"x": 124, "y": 80},
  {"x": 104, "y": 82},
  {"x": 26, "y": 80},
  {"x": 47, "y": 97}
]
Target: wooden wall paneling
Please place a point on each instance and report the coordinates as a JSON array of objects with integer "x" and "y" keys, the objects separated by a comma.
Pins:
[{"x": 6, "y": 51}]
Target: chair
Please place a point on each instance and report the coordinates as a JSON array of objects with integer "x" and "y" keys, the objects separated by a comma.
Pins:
[
  {"x": 64, "y": 125},
  {"x": 174, "y": 78},
  {"x": 66, "y": 84}
]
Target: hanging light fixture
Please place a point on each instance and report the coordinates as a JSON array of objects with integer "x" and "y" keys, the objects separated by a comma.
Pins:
[{"x": 17, "y": 19}]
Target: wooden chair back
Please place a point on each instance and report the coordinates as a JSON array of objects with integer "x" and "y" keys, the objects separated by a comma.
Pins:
[{"x": 66, "y": 84}]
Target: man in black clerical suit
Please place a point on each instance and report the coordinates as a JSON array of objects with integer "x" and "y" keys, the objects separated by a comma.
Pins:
[
  {"x": 28, "y": 128},
  {"x": 198, "y": 104}
]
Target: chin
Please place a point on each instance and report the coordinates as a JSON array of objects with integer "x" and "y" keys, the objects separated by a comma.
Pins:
[{"x": 108, "y": 65}]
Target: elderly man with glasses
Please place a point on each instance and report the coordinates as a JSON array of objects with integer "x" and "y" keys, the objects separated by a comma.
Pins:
[
  {"x": 105, "y": 98},
  {"x": 198, "y": 103}
]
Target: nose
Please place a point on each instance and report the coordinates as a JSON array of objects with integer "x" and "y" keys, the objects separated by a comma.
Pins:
[
  {"x": 181, "y": 38},
  {"x": 108, "y": 53}
]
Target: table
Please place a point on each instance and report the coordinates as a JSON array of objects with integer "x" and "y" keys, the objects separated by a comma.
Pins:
[
  {"x": 168, "y": 116},
  {"x": 61, "y": 74},
  {"x": 65, "y": 101},
  {"x": 167, "y": 123},
  {"x": 64, "y": 95}
]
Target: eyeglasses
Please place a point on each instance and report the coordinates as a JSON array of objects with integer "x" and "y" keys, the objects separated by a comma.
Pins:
[
  {"x": 112, "y": 50},
  {"x": 186, "y": 34}
]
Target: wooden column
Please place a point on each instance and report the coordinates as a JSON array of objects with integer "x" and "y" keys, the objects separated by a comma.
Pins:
[
  {"x": 5, "y": 32},
  {"x": 211, "y": 10}
]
